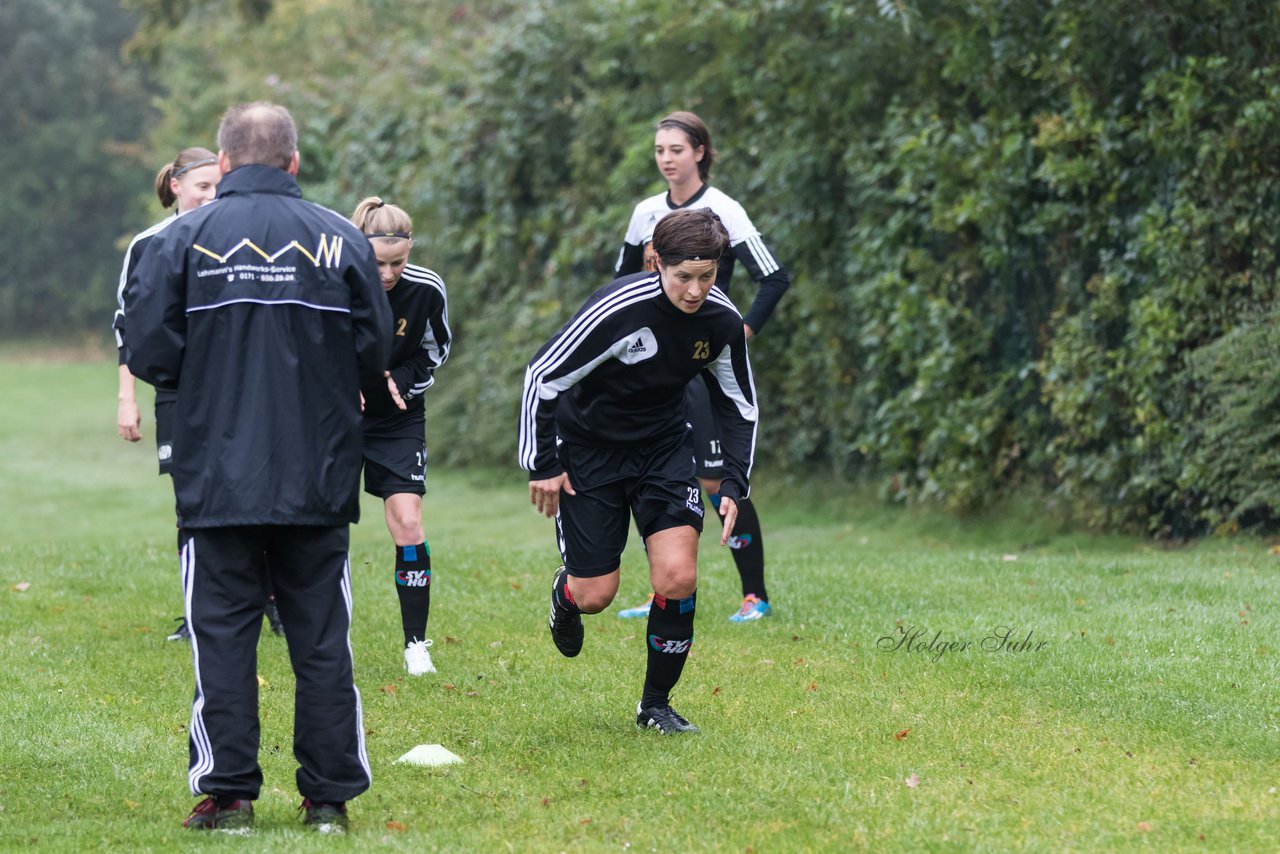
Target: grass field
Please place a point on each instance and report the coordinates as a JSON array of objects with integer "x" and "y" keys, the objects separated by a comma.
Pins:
[{"x": 1142, "y": 714}]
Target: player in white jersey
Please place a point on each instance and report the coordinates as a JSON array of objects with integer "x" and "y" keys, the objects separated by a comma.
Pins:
[
  {"x": 684, "y": 156},
  {"x": 190, "y": 181}
]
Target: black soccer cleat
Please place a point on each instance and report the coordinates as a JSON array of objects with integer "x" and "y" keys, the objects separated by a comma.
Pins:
[
  {"x": 663, "y": 718},
  {"x": 181, "y": 633},
  {"x": 273, "y": 617},
  {"x": 566, "y": 625},
  {"x": 324, "y": 817}
]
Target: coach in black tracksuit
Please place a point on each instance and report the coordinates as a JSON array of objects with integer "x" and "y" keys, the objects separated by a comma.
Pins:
[
  {"x": 266, "y": 313},
  {"x": 603, "y": 434}
]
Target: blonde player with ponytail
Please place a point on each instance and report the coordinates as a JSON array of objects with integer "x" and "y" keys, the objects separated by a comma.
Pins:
[{"x": 395, "y": 450}]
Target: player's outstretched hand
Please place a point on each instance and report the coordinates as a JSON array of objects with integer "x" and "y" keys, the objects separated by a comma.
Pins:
[
  {"x": 729, "y": 510},
  {"x": 544, "y": 495},
  {"x": 395, "y": 391},
  {"x": 128, "y": 420}
]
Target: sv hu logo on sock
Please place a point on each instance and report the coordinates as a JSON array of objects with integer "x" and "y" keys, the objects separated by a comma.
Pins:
[
  {"x": 739, "y": 542},
  {"x": 670, "y": 646},
  {"x": 413, "y": 577}
]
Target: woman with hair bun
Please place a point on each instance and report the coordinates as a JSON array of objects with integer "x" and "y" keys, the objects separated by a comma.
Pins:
[
  {"x": 190, "y": 181},
  {"x": 395, "y": 450}
]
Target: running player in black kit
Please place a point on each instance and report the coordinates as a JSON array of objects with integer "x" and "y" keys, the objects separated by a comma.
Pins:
[
  {"x": 604, "y": 437},
  {"x": 684, "y": 155},
  {"x": 395, "y": 453}
]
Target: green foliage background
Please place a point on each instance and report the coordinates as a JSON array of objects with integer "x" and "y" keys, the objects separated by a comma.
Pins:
[{"x": 1032, "y": 241}]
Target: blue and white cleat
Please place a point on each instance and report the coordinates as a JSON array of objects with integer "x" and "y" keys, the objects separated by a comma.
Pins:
[
  {"x": 753, "y": 608},
  {"x": 638, "y": 611}
]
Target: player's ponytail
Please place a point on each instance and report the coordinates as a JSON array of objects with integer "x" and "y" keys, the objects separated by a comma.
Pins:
[
  {"x": 187, "y": 160},
  {"x": 376, "y": 218}
]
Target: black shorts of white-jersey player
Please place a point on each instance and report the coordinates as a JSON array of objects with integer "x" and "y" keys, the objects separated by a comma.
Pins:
[
  {"x": 395, "y": 449},
  {"x": 604, "y": 437},
  {"x": 684, "y": 155}
]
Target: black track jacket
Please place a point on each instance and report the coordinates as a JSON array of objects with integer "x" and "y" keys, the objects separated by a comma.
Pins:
[{"x": 266, "y": 313}]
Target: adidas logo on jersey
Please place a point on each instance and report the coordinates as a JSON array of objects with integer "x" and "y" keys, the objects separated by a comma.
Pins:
[{"x": 637, "y": 347}]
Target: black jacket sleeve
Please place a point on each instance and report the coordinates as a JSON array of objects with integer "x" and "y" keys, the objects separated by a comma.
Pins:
[
  {"x": 630, "y": 260},
  {"x": 764, "y": 268},
  {"x": 416, "y": 374},
  {"x": 733, "y": 397},
  {"x": 370, "y": 315}
]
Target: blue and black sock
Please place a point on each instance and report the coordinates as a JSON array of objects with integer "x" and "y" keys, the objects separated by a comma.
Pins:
[
  {"x": 669, "y": 637},
  {"x": 747, "y": 545},
  {"x": 413, "y": 586}
]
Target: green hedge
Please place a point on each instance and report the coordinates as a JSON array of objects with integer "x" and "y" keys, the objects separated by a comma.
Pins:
[{"x": 1032, "y": 242}]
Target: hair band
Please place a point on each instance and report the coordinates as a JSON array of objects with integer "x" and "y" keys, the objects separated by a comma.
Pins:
[
  {"x": 208, "y": 161},
  {"x": 403, "y": 235}
]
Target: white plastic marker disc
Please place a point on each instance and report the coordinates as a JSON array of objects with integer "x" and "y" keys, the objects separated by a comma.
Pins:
[{"x": 430, "y": 754}]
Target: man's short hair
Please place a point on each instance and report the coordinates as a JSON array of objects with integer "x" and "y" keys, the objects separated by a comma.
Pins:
[
  {"x": 260, "y": 132},
  {"x": 690, "y": 235}
]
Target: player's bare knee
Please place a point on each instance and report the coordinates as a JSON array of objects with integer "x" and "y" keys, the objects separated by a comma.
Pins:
[
  {"x": 676, "y": 582},
  {"x": 406, "y": 529}
]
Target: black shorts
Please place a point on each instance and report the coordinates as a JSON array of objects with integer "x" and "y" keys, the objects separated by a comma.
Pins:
[
  {"x": 656, "y": 484},
  {"x": 164, "y": 435},
  {"x": 394, "y": 465},
  {"x": 706, "y": 435}
]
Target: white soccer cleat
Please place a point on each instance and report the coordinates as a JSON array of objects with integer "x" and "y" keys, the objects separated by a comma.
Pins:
[{"x": 416, "y": 658}]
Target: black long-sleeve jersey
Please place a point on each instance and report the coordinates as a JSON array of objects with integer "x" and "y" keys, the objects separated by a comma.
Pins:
[
  {"x": 420, "y": 317},
  {"x": 745, "y": 245},
  {"x": 614, "y": 376},
  {"x": 119, "y": 323}
]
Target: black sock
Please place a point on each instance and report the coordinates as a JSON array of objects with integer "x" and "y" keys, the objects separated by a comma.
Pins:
[
  {"x": 413, "y": 586},
  {"x": 747, "y": 545},
  {"x": 668, "y": 638},
  {"x": 563, "y": 596}
]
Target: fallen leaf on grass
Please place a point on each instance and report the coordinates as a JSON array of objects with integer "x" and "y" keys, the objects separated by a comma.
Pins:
[
  {"x": 448, "y": 686},
  {"x": 546, "y": 802},
  {"x": 585, "y": 821},
  {"x": 262, "y": 683},
  {"x": 715, "y": 692},
  {"x": 389, "y": 690},
  {"x": 901, "y": 734},
  {"x": 1275, "y": 550},
  {"x": 448, "y": 639},
  {"x": 1010, "y": 557},
  {"x": 22, "y": 586},
  {"x": 813, "y": 686},
  {"x": 912, "y": 781},
  {"x": 133, "y": 805},
  {"x": 473, "y": 693},
  {"x": 1144, "y": 826},
  {"x": 396, "y": 826}
]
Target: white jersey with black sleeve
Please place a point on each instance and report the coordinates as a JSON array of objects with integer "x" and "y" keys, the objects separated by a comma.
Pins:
[
  {"x": 745, "y": 245},
  {"x": 614, "y": 377}
]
